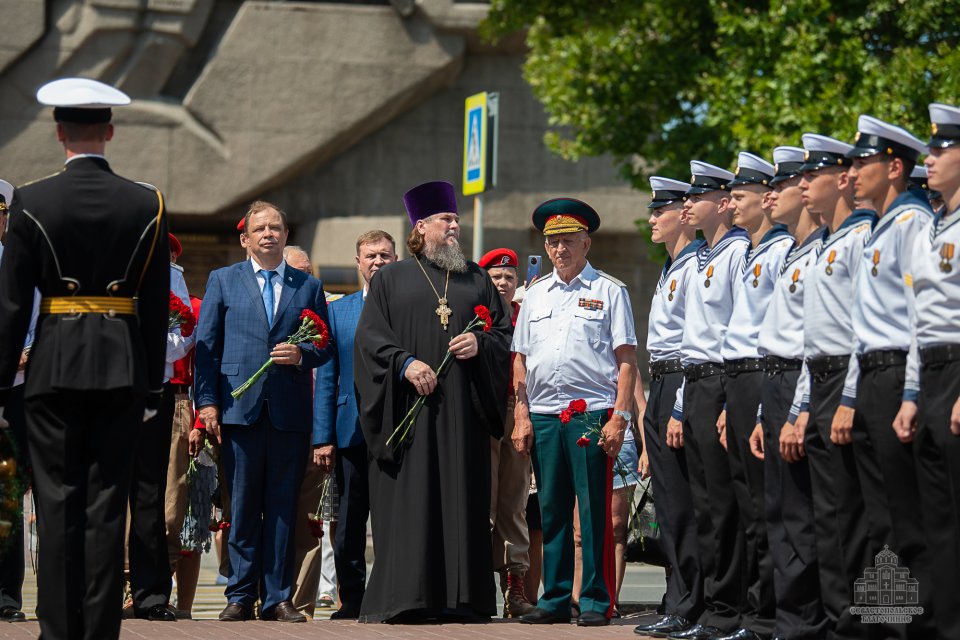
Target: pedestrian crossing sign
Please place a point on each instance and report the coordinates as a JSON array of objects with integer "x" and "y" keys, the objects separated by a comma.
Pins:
[{"x": 475, "y": 145}]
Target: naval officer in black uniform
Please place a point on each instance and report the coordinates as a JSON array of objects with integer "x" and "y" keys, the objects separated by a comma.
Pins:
[{"x": 96, "y": 247}]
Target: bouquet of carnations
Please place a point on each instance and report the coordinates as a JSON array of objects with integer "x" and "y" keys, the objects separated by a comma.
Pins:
[
  {"x": 181, "y": 315},
  {"x": 312, "y": 329},
  {"x": 482, "y": 319}
]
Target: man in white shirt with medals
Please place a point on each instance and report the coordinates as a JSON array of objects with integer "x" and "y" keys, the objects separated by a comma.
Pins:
[
  {"x": 668, "y": 225},
  {"x": 700, "y": 400},
  {"x": 933, "y": 421}
]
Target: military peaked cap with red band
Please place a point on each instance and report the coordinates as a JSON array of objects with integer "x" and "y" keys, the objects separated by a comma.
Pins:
[
  {"x": 565, "y": 215},
  {"x": 499, "y": 258}
]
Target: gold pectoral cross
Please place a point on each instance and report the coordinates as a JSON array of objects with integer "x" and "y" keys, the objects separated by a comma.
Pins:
[{"x": 444, "y": 312}]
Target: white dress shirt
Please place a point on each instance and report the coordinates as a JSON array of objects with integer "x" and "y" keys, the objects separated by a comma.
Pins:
[
  {"x": 936, "y": 286},
  {"x": 568, "y": 333},
  {"x": 827, "y": 302},
  {"x": 884, "y": 288},
  {"x": 277, "y": 280},
  {"x": 709, "y": 303},
  {"x": 753, "y": 291},
  {"x": 668, "y": 308}
]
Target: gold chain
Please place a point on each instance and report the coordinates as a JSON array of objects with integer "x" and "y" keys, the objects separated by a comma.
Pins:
[{"x": 443, "y": 311}]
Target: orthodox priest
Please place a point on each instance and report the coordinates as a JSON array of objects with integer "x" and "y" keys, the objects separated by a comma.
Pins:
[{"x": 430, "y": 489}]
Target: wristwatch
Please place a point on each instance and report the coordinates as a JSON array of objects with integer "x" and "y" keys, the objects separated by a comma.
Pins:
[{"x": 626, "y": 415}]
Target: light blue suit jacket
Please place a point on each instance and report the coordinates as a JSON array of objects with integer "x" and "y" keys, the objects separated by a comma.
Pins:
[
  {"x": 336, "y": 419},
  {"x": 233, "y": 341}
]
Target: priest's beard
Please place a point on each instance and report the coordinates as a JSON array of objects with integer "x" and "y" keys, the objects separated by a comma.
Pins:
[{"x": 446, "y": 256}]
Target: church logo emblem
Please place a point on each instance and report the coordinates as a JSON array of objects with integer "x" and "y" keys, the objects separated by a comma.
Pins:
[{"x": 886, "y": 593}]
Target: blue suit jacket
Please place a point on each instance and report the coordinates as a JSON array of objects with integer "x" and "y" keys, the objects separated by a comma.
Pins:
[
  {"x": 336, "y": 419},
  {"x": 233, "y": 341}
]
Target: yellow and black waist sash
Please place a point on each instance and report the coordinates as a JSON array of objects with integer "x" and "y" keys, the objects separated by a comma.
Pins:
[{"x": 109, "y": 305}]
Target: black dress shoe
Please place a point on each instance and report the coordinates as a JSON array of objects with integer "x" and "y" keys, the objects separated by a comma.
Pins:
[
  {"x": 157, "y": 613},
  {"x": 542, "y": 616},
  {"x": 235, "y": 612},
  {"x": 284, "y": 612},
  {"x": 664, "y": 626},
  {"x": 12, "y": 614},
  {"x": 696, "y": 632},
  {"x": 739, "y": 634},
  {"x": 592, "y": 619},
  {"x": 346, "y": 612}
]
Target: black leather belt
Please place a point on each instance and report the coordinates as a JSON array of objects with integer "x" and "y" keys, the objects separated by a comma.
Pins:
[
  {"x": 882, "y": 358},
  {"x": 940, "y": 354},
  {"x": 828, "y": 364},
  {"x": 660, "y": 368},
  {"x": 694, "y": 372},
  {"x": 178, "y": 388},
  {"x": 742, "y": 365},
  {"x": 773, "y": 364}
]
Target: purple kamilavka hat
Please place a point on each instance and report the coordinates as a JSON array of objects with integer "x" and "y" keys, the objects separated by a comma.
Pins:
[{"x": 430, "y": 198}]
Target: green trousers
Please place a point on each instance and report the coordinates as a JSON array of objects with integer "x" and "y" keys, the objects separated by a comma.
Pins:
[{"x": 565, "y": 472}]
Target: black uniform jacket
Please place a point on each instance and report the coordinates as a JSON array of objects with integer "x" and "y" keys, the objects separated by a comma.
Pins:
[{"x": 86, "y": 232}]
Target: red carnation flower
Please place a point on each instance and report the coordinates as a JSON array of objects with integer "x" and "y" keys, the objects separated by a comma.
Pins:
[
  {"x": 565, "y": 416},
  {"x": 315, "y": 523},
  {"x": 307, "y": 313},
  {"x": 583, "y": 442},
  {"x": 484, "y": 314},
  {"x": 578, "y": 406},
  {"x": 323, "y": 335},
  {"x": 214, "y": 526},
  {"x": 224, "y": 525},
  {"x": 185, "y": 553}
]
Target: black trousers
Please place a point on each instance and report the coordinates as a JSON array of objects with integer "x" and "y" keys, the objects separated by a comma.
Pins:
[
  {"x": 790, "y": 521},
  {"x": 937, "y": 453},
  {"x": 150, "y": 572},
  {"x": 840, "y": 520},
  {"x": 11, "y": 557},
  {"x": 81, "y": 449},
  {"x": 879, "y": 393},
  {"x": 350, "y": 545},
  {"x": 675, "y": 514},
  {"x": 758, "y": 604},
  {"x": 720, "y": 538}
]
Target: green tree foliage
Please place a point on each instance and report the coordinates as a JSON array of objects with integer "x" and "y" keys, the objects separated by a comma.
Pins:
[{"x": 667, "y": 81}]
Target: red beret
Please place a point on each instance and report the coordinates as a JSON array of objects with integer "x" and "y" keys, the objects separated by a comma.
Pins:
[
  {"x": 175, "y": 245},
  {"x": 240, "y": 225},
  {"x": 499, "y": 258}
]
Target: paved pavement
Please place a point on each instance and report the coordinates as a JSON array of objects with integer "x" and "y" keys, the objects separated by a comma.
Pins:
[{"x": 642, "y": 584}]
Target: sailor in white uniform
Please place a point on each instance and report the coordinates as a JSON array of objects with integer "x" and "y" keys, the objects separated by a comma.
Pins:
[
  {"x": 934, "y": 365},
  {"x": 787, "y": 499},
  {"x": 708, "y": 307},
  {"x": 883, "y": 157},
  {"x": 683, "y": 602},
  {"x": 751, "y": 191},
  {"x": 839, "y": 515}
]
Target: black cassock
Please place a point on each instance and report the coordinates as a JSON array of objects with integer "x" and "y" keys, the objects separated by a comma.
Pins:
[{"x": 430, "y": 497}]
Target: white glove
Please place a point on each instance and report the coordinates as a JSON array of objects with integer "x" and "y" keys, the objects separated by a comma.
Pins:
[
  {"x": 3, "y": 423},
  {"x": 147, "y": 414}
]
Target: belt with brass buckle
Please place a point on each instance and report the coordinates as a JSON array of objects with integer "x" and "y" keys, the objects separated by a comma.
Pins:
[{"x": 89, "y": 304}]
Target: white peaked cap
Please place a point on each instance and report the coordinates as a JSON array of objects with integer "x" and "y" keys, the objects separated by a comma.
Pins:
[
  {"x": 919, "y": 172},
  {"x": 756, "y": 163},
  {"x": 658, "y": 183},
  {"x": 787, "y": 154},
  {"x": 81, "y": 93},
  {"x": 698, "y": 168},
  {"x": 817, "y": 142},
  {"x": 944, "y": 113},
  {"x": 868, "y": 125}
]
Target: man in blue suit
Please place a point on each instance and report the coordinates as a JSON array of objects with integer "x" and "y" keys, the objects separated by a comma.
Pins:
[
  {"x": 248, "y": 312},
  {"x": 336, "y": 428}
]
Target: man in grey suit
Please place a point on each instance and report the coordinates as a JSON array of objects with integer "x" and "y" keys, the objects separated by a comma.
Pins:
[{"x": 336, "y": 428}]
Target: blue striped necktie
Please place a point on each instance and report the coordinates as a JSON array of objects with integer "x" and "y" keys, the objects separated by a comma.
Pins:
[{"x": 268, "y": 294}]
